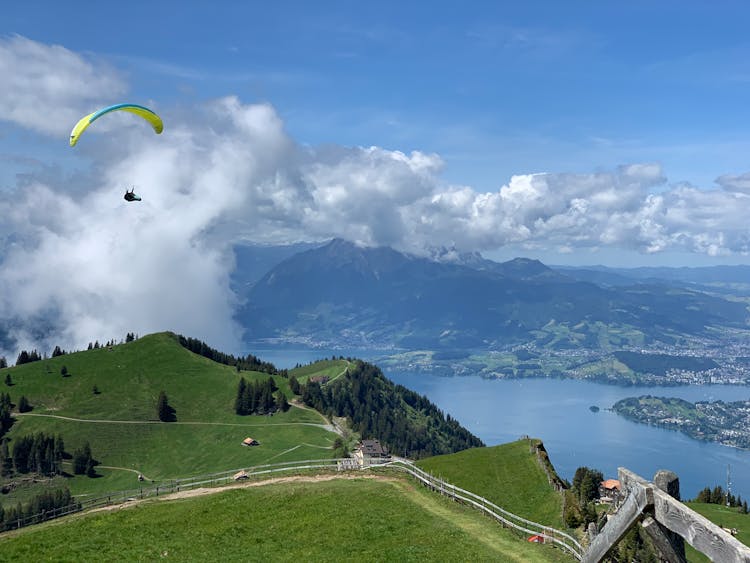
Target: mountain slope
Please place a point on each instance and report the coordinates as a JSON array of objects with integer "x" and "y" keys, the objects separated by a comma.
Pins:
[{"x": 343, "y": 294}]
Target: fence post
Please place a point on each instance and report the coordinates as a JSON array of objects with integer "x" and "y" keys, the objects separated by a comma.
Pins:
[{"x": 674, "y": 549}]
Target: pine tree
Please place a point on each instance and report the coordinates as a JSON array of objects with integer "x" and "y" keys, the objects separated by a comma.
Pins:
[
  {"x": 8, "y": 380},
  {"x": 23, "y": 404},
  {"x": 3, "y": 362},
  {"x": 163, "y": 410},
  {"x": 6, "y": 462},
  {"x": 294, "y": 385},
  {"x": 283, "y": 403},
  {"x": 239, "y": 402}
]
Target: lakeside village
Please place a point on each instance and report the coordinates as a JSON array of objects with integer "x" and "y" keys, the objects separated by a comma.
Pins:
[{"x": 697, "y": 362}]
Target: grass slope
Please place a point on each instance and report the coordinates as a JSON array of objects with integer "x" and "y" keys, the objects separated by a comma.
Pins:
[
  {"x": 721, "y": 516},
  {"x": 508, "y": 475},
  {"x": 121, "y": 422},
  {"x": 370, "y": 520}
]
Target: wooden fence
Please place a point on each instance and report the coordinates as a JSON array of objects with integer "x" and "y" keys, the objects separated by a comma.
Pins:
[
  {"x": 667, "y": 521},
  {"x": 505, "y": 518}
]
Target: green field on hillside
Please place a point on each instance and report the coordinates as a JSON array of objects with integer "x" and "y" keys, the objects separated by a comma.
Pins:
[
  {"x": 121, "y": 423},
  {"x": 363, "y": 519},
  {"x": 508, "y": 475},
  {"x": 721, "y": 516}
]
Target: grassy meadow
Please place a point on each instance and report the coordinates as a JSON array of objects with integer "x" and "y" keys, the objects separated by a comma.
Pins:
[
  {"x": 337, "y": 520},
  {"x": 721, "y": 516},
  {"x": 508, "y": 475},
  {"x": 120, "y": 421}
]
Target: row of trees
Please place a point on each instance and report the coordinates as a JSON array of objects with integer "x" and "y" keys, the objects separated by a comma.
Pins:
[
  {"x": 717, "y": 495},
  {"x": 248, "y": 363},
  {"x": 36, "y": 453},
  {"x": 42, "y": 506},
  {"x": 259, "y": 397},
  {"x": 407, "y": 423},
  {"x": 25, "y": 357}
]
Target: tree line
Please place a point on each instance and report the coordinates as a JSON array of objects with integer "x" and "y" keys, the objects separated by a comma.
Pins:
[
  {"x": 259, "y": 397},
  {"x": 25, "y": 357},
  {"x": 248, "y": 363},
  {"x": 406, "y": 423},
  {"x": 717, "y": 495},
  {"x": 42, "y": 506},
  {"x": 43, "y": 455},
  {"x": 36, "y": 453}
]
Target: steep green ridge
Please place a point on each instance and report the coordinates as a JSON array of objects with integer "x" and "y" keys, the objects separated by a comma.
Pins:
[
  {"x": 509, "y": 475},
  {"x": 121, "y": 423},
  {"x": 408, "y": 424},
  {"x": 322, "y": 521}
]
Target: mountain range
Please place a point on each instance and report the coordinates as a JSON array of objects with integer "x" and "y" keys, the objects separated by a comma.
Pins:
[{"x": 343, "y": 294}]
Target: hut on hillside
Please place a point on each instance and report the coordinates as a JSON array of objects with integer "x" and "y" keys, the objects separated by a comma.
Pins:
[
  {"x": 250, "y": 442},
  {"x": 609, "y": 491},
  {"x": 369, "y": 452}
]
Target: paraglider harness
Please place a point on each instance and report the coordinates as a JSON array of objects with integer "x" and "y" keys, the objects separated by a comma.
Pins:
[{"x": 130, "y": 195}]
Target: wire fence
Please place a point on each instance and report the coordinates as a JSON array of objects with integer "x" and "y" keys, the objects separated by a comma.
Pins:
[{"x": 223, "y": 478}]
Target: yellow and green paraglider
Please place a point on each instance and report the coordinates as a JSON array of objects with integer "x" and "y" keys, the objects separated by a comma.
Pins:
[{"x": 140, "y": 111}]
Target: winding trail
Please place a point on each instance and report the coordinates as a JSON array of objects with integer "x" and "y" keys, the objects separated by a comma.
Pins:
[{"x": 326, "y": 426}]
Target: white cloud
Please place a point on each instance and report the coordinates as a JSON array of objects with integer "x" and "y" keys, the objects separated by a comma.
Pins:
[
  {"x": 48, "y": 88},
  {"x": 228, "y": 171}
]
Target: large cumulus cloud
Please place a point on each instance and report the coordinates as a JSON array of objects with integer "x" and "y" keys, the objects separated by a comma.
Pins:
[
  {"x": 225, "y": 171},
  {"x": 48, "y": 87}
]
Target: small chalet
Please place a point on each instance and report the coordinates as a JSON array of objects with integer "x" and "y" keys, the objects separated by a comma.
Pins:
[
  {"x": 609, "y": 490},
  {"x": 369, "y": 452},
  {"x": 240, "y": 476},
  {"x": 250, "y": 442},
  {"x": 322, "y": 379}
]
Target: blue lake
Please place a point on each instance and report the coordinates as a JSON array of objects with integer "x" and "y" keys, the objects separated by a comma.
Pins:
[{"x": 557, "y": 411}]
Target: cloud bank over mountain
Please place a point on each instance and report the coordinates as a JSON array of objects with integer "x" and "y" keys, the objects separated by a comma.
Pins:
[{"x": 225, "y": 170}]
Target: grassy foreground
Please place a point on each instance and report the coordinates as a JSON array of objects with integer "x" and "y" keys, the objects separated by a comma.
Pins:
[
  {"x": 508, "y": 475},
  {"x": 365, "y": 519}
]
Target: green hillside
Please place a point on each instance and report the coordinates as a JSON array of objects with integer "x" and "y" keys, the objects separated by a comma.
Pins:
[
  {"x": 388, "y": 518},
  {"x": 121, "y": 423},
  {"x": 508, "y": 475},
  {"x": 366, "y": 519},
  {"x": 721, "y": 516}
]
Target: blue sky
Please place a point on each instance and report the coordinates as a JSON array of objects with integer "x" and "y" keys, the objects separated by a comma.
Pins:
[
  {"x": 612, "y": 133},
  {"x": 496, "y": 88}
]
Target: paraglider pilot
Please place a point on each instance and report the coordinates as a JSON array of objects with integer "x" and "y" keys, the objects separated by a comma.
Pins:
[{"x": 131, "y": 196}]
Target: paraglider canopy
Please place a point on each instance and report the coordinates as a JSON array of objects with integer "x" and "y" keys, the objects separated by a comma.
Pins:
[{"x": 140, "y": 111}]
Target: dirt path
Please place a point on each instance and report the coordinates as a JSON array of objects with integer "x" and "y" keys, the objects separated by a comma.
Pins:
[
  {"x": 326, "y": 426},
  {"x": 124, "y": 469},
  {"x": 202, "y": 491}
]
